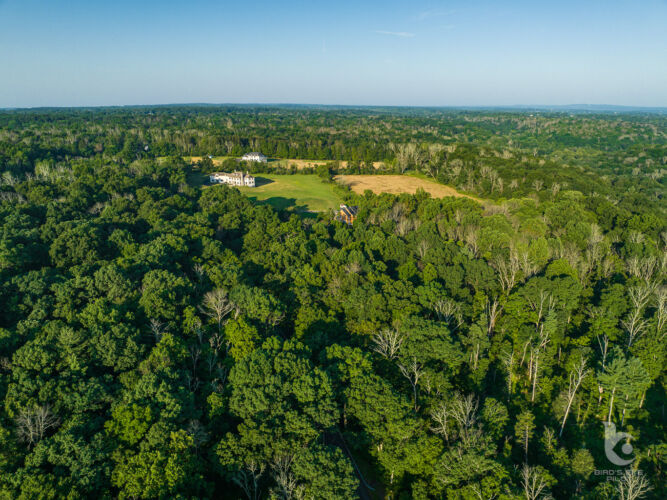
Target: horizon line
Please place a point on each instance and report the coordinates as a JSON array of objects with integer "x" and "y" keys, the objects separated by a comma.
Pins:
[{"x": 575, "y": 106}]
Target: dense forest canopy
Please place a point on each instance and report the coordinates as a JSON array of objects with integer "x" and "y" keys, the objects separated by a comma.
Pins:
[{"x": 163, "y": 339}]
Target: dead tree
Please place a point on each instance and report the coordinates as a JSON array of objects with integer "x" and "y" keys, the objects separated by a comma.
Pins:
[
  {"x": 508, "y": 270},
  {"x": 217, "y": 305},
  {"x": 632, "y": 485},
  {"x": 493, "y": 310},
  {"x": 442, "y": 418},
  {"x": 534, "y": 485},
  {"x": 661, "y": 311},
  {"x": 388, "y": 342},
  {"x": 507, "y": 358},
  {"x": 575, "y": 378},
  {"x": 158, "y": 330},
  {"x": 536, "y": 351},
  {"x": 635, "y": 324},
  {"x": 248, "y": 479},
  {"x": 413, "y": 372},
  {"x": 449, "y": 312},
  {"x": 32, "y": 424},
  {"x": 464, "y": 411},
  {"x": 285, "y": 479}
]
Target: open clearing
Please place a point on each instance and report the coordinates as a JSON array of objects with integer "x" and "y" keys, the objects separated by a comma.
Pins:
[
  {"x": 217, "y": 161},
  {"x": 398, "y": 184},
  {"x": 275, "y": 162},
  {"x": 301, "y": 193},
  {"x": 308, "y": 193},
  {"x": 299, "y": 164}
]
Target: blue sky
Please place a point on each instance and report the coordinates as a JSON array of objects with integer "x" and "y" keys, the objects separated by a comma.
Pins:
[{"x": 463, "y": 53}]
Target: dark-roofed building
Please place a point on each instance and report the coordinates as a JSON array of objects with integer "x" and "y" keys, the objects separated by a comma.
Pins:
[{"x": 347, "y": 214}]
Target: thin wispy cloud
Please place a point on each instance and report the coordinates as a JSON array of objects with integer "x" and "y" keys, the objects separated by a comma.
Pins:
[
  {"x": 430, "y": 13},
  {"x": 401, "y": 34}
]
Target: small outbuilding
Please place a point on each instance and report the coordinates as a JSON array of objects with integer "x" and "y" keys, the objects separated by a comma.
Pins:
[
  {"x": 254, "y": 157},
  {"x": 347, "y": 214}
]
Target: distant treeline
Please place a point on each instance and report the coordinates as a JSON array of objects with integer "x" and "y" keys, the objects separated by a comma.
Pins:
[{"x": 492, "y": 154}]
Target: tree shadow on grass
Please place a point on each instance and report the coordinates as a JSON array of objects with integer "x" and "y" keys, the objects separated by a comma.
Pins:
[
  {"x": 282, "y": 203},
  {"x": 263, "y": 181},
  {"x": 277, "y": 202}
]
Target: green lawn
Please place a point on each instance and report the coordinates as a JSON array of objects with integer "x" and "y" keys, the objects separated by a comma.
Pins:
[{"x": 301, "y": 193}]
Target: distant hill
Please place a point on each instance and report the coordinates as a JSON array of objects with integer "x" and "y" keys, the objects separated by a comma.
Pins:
[
  {"x": 579, "y": 108},
  {"x": 563, "y": 108}
]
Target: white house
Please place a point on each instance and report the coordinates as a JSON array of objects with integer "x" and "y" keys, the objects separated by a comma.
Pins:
[
  {"x": 254, "y": 157},
  {"x": 233, "y": 179}
]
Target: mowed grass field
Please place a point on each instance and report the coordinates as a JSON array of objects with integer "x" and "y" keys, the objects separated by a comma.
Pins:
[
  {"x": 398, "y": 184},
  {"x": 301, "y": 193}
]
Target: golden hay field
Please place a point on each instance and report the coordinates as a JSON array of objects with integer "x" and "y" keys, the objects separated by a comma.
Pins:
[{"x": 397, "y": 184}]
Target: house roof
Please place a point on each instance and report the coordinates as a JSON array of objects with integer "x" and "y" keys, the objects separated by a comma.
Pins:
[
  {"x": 239, "y": 175},
  {"x": 349, "y": 211}
]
